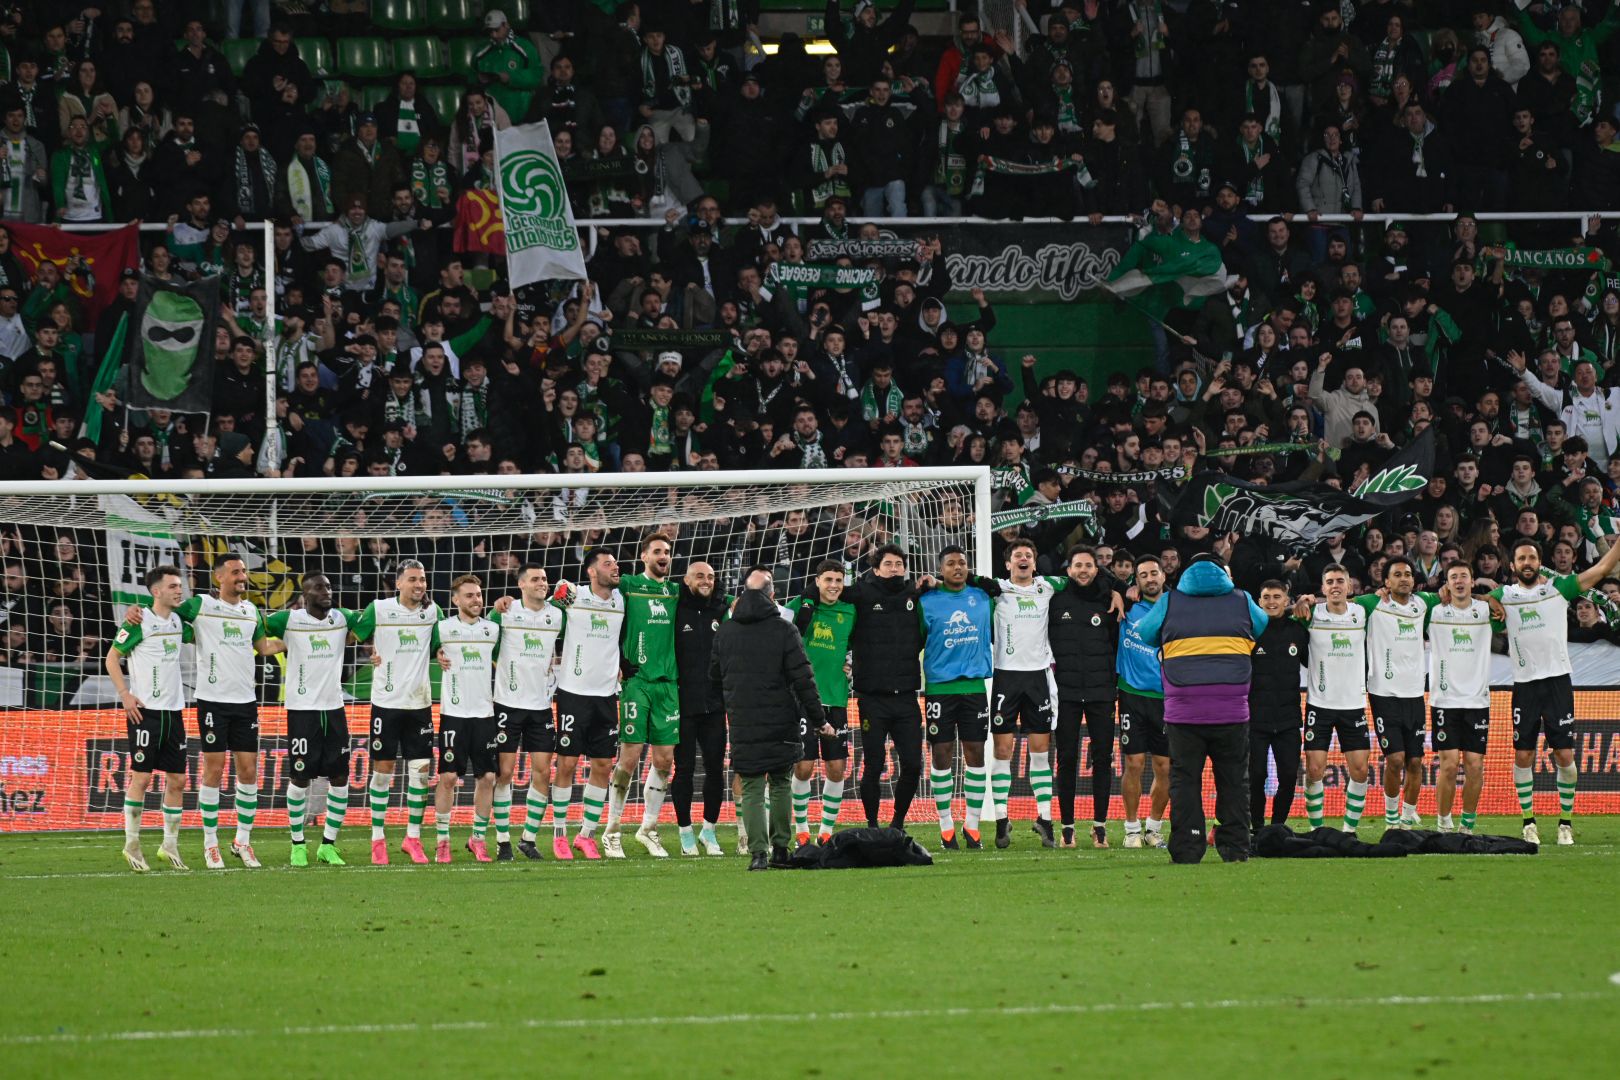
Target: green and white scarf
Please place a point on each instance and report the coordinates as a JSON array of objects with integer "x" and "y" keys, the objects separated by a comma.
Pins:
[
  {"x": 1273, "y": 122},
  {"x": 1422, "y": 166},
  {"x": 81, "y": 169},
  {"x": 409, "y": 130},
  {"x": 979, "y": 89},
  {"x": 1256, "y": 192},
  {"x": 659, "y": 440},
  {"x": 359, "y": 264},
  {"x": 401, "y": 409},
  {"x": 1185, "y": 168},
  {"x": 303, "y": 196},
  {"x": 820, "y": 161},
  {"x": 873, "y": 409},
  {"x": 676, "y": 65},
  {"x": 471, "y": 405},
  {"x": 1383, "y": 69},
  {"x": 26, "y": 93},
  {"x": 244, "y": 180},
  {"x": 951, "y": 169},
  {"x": 426, "y": 180},
  {"x": 1068, "y": 118},
  {"x": 988, "y": 164},
  {"x": 812, "y": 454}
]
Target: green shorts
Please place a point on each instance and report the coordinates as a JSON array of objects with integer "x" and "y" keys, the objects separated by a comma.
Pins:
[{"x": 649, "y": 712}]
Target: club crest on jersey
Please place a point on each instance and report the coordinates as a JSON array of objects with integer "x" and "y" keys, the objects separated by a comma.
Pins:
[
  {"x": 1096, "y": 620},
  {"x": 1293, "y": 650}
]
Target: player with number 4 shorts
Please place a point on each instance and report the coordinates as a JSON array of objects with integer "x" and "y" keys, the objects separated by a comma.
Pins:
[
  {"x": 317, "y": 725},
  {"x": 957, "y": 619},
  {"x": 1536, "y": 611}
]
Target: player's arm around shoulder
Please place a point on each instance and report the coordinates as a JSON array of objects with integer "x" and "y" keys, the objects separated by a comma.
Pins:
[{"x": 365, "y": 626}]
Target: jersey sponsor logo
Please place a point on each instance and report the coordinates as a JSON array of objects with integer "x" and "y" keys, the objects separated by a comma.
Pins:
[
  {"x": 958, "y": 620},
  {"x": 320, "y": 645},
  {"x": 1405, "y": 629},
  {"x": 598, "y": 622},
  {"x": 1025, "y": 604},
  {"x": 821, "y": 634},
  {"x": 533, "y": 642},
  {"x": 1462, "y": 639},
  {"x": 170, "y": 648},
  {"x": 408, "y": 639},
  {"x": 470, "y": 655},
  {"x": 232, "y": 632},
  {"x": 656, "y": 609},
  {"x": 1529, "y": 616},
  {"x": 1341, "y": 643}
]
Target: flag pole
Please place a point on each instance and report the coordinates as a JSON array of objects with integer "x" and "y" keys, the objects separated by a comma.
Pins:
[{"x": 270, "y": 447}]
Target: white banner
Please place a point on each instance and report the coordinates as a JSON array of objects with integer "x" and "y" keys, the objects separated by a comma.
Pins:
[
  {"x": 541, "y": 240},
  {"x": 137, "y": 539}
]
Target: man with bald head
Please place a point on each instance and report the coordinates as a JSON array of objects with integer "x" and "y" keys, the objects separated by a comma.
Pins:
[
  {"x": 698, "y": 614},
  {"x": 768, "y": 685}
]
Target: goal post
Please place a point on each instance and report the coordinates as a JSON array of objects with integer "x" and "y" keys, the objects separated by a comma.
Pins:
[{"x": 73, "y": 556}]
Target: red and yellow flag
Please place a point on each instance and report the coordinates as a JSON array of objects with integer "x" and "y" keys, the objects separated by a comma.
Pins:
[
  {"x": 104, "y": 255},
  {"x": 479, "y": 227}
]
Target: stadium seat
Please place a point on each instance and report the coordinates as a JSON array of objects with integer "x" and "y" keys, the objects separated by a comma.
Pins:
[
  {"x": 370, "y": 94},
  {"x": 446, "y": 100},
  {"x": 317, "y": 53},
  {"x": 456, "y": 14},
  {"x": 365, "y": 58},
  {"x": 462, "y": 50},
  {"x": 517, "y": 13},
  {"x": 422, "y": 56},
  {"x": 399, "y": 14},
  {"x": 239, "y": 51}
]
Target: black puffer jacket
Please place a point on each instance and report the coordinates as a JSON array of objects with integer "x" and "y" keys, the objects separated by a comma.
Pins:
[
  {"x": 696, "y": 622},
  {"x": 887, "y": 641},
  {"x": 769, "y": 685},
  {"x": 1279, "y": 653},
  {"x": 1085, "y": 639}
]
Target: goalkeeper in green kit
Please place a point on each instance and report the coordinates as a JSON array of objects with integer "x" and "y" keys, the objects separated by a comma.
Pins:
[
  {"x": 825, "y": 623},
  {"x": 650, "y": 702}
]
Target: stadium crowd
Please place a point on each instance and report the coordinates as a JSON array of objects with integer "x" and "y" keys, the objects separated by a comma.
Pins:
[{"x": 398, "y": 352}]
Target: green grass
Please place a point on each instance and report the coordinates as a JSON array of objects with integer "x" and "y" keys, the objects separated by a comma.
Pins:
[{"x": 1025, "y": 962}]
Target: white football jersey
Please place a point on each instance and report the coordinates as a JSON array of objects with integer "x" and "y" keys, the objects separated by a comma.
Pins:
[
  {"x": 314, "y": 656},
  {"x": 1020, "y": 624},
  {"x": 1338, "y": 675},
  {"x": 464, "y": 688},
  {"x": 153, "y": 652},
  {"x": 226, "y": 659},
  {"x": 1538, "y": 626},
  {"x": 591, "y": 644},
  {"x": 1460, "y": 656},
  {"x": 526, "y": 676},
  {"x": 403, "y": 637},
  {"x": 1396, "y": 664}
]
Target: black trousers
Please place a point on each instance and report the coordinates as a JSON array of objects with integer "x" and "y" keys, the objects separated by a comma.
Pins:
[
  {"x": 706, "y": 732},
  {"x": 1226, "y": 747},
  {"x": 887, "y": 717},
  {"x": 1099, "y": 725},
  {"x": 1285, "y": 747}
]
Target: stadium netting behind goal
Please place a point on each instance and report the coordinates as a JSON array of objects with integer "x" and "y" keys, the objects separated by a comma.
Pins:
[{"x": 75, "y": 555}]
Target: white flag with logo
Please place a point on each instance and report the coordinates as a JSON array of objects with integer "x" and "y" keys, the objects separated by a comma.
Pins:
[{"x": 541, "y": 240}]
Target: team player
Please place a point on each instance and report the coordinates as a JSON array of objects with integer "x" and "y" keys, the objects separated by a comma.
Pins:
[
  {"x": 1281, "y": 650},
  {"x": 153, "y": 699},
  {"x": 228, "y": 634},
  {"x": 958, "y": 627},
  {"x": 825, "y": 623},
  {"x": 317, "y": 726},
  {"x": 524, "y": 681},
  {"x": 1536, "y": 613},
  {"x": 1460, "y": 630},
  {"x": 649, "y": 703},
  {"x": 465, "y": 645},
  {"x": 1396, "y": 670},
  {"x": 1336, "y": 694},
  {"x": 588, "y": 695},
  {"x": 400, "y": 629},
  {"x": 1083, "y": 628},
  {"x": 1141, "y": 715},
  {"x": 1023, "y": 694}
]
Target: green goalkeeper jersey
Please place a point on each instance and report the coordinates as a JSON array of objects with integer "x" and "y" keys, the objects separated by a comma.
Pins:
[
  {"x": 649, "y": 626},
  {"x": 826, "y": 631}
]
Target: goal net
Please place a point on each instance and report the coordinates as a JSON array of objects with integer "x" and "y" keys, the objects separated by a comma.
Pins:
[{"x": 75, "y": 557}]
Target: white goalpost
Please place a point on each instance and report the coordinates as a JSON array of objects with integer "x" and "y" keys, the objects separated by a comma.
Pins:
[{"x": 73, "y": 555}]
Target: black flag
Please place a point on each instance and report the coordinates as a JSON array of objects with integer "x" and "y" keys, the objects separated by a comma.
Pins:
[{"x": 170, "y": 345}]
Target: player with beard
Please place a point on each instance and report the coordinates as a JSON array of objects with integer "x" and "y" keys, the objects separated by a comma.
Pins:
[
  {"x": 1396, "y": 669},
  {"x": 1083, "y": 624},
  {"x": 1141, "y": 716}
]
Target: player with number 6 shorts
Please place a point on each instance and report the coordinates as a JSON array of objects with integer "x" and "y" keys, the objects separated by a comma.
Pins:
[
  {"x": 825, "y": 624},
  {"x": 1336, "y": 694},
  {"x": 317, "y": 725},
  {"x": 958, "y": 627}
]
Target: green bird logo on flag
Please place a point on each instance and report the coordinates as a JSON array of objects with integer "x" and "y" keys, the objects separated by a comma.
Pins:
[{"x": 171, "y": 335}]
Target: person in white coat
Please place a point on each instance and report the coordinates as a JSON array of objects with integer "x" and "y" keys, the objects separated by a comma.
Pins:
[
  {"x": 1509, "y": 58},
  {"x": 1586, "y": 409}
]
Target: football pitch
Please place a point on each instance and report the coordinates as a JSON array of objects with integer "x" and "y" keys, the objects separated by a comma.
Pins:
[{"x": 1020, "y": 962}]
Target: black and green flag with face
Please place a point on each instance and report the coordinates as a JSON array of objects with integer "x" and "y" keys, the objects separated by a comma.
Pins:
[{"x": 170, "y": 345}]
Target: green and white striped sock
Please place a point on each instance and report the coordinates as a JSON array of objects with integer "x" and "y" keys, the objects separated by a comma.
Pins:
[
  {"x": 378, "y": 788},
  {"x": 1355, "y": 801},
  {"x": 337, "y": 808},
  {"x": 132, "y": 820},
  {"x": 171, "y": 824},
  {"x": 1566, "y": 791},
  {"x": 534, "y": 812},
  {"x": 1468, "y": 819},
  {"x": 973, "y": 781},
  {"x": 1315, "y": 793},
  {"x": 1392, "y": 811},
  {"x": 801, "y": 804},
  {"x": 1040, "y": 780},
  {"x": 480, "y": 826},
  {"x": 503, "y": 813},
  {"x": 441, "y": 823},
  {"x": 1524, "y": 779},
  {"x": 247, "y": 808},
  {"x": 561, "y": 797},
  {"x": 416, "y": 800},
  {"x": 208, "y": 806},
  {"x": 943, "y": 783},
  {"x": 1000, "y": 785},
  {"x": 297, "y": 802},
  {"x": 832, "y": 800},
  {"x": 593, "y": 800}
]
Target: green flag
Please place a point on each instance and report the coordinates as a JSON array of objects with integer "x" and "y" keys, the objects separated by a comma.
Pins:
[
  {"x": 706, "y": 402},
  {"x": 105, "y": 377}
]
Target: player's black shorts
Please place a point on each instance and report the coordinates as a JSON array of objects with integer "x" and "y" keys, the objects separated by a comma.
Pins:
[
  {"x": 587, "y": 726},
  {"x": 518, "y": 729},
  {"x": 223, "y": 726},
  {"x": 1141, "y": 725},
  {"x": 401, "y": 733},
  {"x": 1400, "y": 725},
  {"x": 1545, "y": 707},
  {"x": 956, "y": 716},
  {"x": 467, "y": 745},
  {"x": 834, "y": 747},
  {"x": 158, "y": 742},
  {"x": 318, "y": 745},
  {"x": 1464, "y": 729},
  {"x": 1351, "y": 724},
  {"x": 1021, "y": 700}
]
